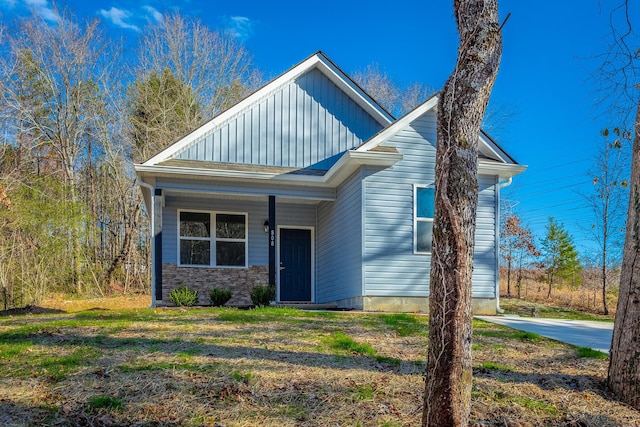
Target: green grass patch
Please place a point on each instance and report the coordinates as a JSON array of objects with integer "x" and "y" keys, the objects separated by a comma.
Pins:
[
  {"x": 527, "y": 336},
  {"x": 105, "y": 402},
  {"x": 503, "y": 332},
  {"x": 364, "y": 392},
  {"x": 9, "y": 350},
  {"x": 496, "y": 366},
  {"x": 392, "y": 361},
  {"x": 261, "y": 314},
  {"x": 406, "y": 324},
  {"x": 591, "y": 353},
  {"x": 345, "y": 344},
  {"x": 540, "y": 407},
  {"x": 60, "y": 366},
  {"x": 242, "y": 377}
]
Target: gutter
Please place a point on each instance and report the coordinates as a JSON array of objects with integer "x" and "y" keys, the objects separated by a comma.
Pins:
[{"x": 152, "y": 216}]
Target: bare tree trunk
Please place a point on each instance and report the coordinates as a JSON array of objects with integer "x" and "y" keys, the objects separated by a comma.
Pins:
[
  {"x": 463, "y": 101},
  {"x": 509, "y": 278},
  {"x": 624, "y": 361},
  {"x": 604, "y": 277}
]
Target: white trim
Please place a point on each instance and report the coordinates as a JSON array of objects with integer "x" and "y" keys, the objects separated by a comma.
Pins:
[
  {"x": 415, "y": 217},
  {"x": 399, "y": 124},
  {"x": 318, "y": 60},
  {"x": 313, "y": 259},
  {"x": 497, "y": 226},
  {"x": 212, "y": 239},
  {"x": 503, "y": 171},
  {"x": 342, "y": 169},
  {"x": 363, "y": 233},
  {"x": 486, "y": 140}
]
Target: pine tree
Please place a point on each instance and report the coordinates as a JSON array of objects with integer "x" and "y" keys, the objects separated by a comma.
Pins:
[{"x": 560, "y": 256}]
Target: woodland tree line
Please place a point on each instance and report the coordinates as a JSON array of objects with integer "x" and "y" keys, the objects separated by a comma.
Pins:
[{"x": 76, "y": 112}]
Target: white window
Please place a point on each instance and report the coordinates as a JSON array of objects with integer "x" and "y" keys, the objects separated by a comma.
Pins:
[
  {"x": 423, "y": 218},
  {"x": 214, "y": 239}
]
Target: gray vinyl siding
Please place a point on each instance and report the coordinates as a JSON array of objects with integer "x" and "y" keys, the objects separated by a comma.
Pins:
[
  {"x": 257, "y": 210},
  {"x": 339, "y": 245},
  {"x": 300, "y": 125},
  {"x": 391, "y": 268}
]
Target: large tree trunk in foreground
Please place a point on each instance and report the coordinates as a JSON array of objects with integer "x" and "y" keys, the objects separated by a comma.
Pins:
[
  {"x": 624, "y": 362},
  {"x": 462, "y": 104}
]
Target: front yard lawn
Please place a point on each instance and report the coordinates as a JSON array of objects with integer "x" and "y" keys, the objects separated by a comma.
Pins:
[{"x": 278, "y": 367}]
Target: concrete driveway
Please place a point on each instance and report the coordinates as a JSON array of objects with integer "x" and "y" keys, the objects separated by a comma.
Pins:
[{"x": 582, "y": 333}]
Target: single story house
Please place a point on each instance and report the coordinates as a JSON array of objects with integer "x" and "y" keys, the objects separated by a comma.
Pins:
[{"x": 310, "y": 185}]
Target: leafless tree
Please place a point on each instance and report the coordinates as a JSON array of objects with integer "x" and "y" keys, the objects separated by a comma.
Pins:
[
  {"x": 461, "y": 108},
  {"x": 394, "y": 98},
  {"x": 215, "y": 67},
  {"x": 516, "y": 244},
  {"x": 610, "y": 181}
]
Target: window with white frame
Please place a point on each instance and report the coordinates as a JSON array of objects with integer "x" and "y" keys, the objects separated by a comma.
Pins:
[
  {"x": 216, "y": 239},
  {"x": 423, "y": 218}
]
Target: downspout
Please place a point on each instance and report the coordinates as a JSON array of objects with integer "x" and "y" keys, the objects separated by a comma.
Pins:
[
  {"x": 501, "y": 185},
  {"x": 152, "y": 196}
]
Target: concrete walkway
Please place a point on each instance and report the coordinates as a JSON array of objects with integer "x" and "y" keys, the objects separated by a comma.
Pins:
[{"x": 582, "y": 333}]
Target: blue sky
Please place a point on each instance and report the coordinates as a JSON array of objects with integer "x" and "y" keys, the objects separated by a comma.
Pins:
[{"x": 545, "y": 85}]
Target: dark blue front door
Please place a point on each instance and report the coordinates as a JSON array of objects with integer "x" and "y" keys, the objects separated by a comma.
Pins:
[{"x": 295, "y": 265}]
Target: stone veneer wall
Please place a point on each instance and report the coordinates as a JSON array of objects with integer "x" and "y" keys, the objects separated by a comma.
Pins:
[{"x": 239, "y": 281}]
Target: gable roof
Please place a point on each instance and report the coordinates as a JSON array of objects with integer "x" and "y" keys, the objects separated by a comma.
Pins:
[
  {"x": 317, "y": 61},
  {"x": 491, "y": 157}
]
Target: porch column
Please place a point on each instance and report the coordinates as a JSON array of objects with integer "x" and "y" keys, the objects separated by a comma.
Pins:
[
  {"x": 157, "y": 243},
  {"x": 272, "y": 240}
]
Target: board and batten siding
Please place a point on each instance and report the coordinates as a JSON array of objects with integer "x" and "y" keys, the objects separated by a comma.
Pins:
[
  {"x": 257, "y": 211},
  {"x": 391, "y": 268},
  {"x": 305, "y": 123},
  {"x": 339, "y": 247}
]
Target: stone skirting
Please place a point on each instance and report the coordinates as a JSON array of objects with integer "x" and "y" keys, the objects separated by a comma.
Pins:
[
  {"x": 485, "y": 306},
  {"x": 239, "y": 281}
]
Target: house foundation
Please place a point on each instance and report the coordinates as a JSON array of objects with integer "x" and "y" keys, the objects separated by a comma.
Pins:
[
  {"x": 480, "y": 306},
  {"x": 239, "y": 281}
]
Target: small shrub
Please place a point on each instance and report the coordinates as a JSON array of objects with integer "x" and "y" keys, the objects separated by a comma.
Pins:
[
  {"x": 219, "y": 297},
  {"x": 261, "y": 296},
  {"x": 183, "y": 297}
]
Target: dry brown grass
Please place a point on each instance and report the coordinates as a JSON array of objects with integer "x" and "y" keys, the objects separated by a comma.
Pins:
[
  {"x": 586, "y": 298},
  {"x": 73, "y": 305},
  {"x": 277, "y": 368}
]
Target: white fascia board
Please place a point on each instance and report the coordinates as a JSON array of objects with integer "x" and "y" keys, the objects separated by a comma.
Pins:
[
  {"x": 503, "y": 171},
  {"x": 353, "y": 159},
  {"x": 400, "y": 124},
  {"x": 316, "y": 60},
  {"x": 359, "y": 96},
  {"x": 341, "y": 170},
  {"x": 154, "y": 170},
  {"x": 499, "y": 153}
]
